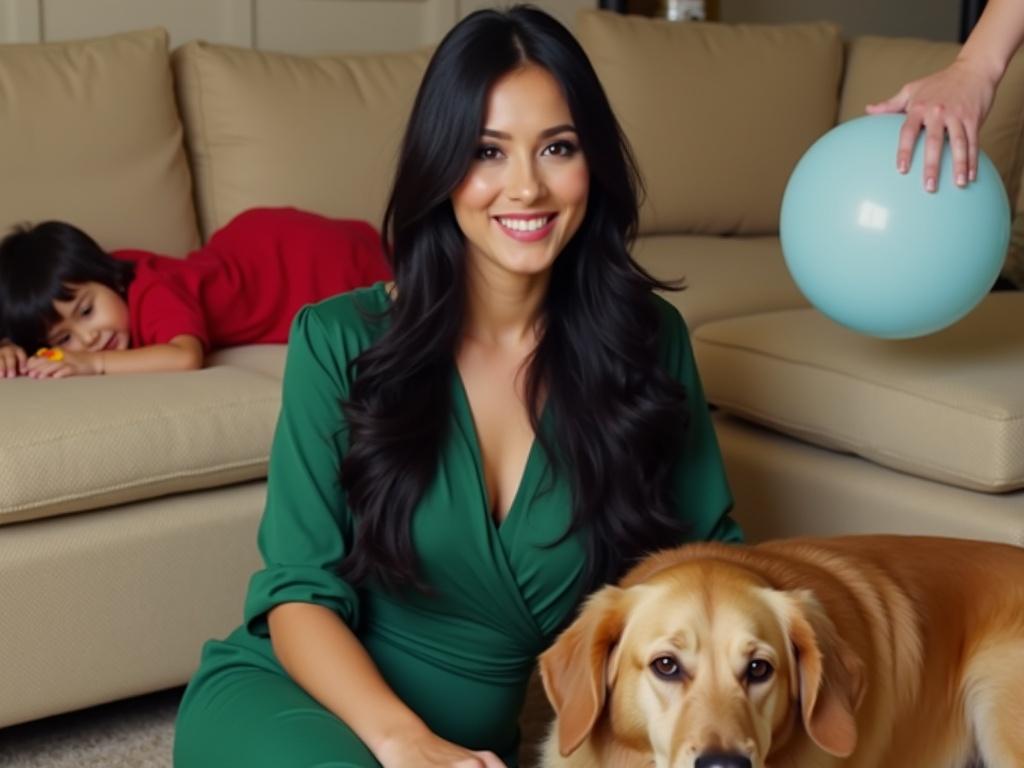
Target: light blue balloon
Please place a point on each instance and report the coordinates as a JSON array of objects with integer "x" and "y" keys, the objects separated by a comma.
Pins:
[{"x": 870, "y": 248}]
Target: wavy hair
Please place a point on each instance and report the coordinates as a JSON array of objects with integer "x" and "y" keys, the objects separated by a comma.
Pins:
[{"x": 618, "y": 416}]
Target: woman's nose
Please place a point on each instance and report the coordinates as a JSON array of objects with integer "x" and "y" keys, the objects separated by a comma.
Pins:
[{"x": 524, "y": 184}]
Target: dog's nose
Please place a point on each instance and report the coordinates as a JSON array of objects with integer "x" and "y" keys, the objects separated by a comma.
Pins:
[{"x": 722, "y": 760}]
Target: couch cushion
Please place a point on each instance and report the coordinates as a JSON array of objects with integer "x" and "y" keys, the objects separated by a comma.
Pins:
[
  {"x": 90, "y": 442},
  {"x": 949, "y": 406},
  {"x": 878, "y": 66},
  {"x": 724, "y": 276},
  {"x": 269, "y": 129},
  {"x": 718, "y": 115},
  {"x": 91, "y": 135},
  {"x": 267, "y": 359}
]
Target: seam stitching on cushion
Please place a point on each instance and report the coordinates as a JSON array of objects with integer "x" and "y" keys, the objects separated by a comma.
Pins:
[
  {"x": 770, "y": 420},
  {"x": 133, "y": 422},
  {"x": 772, "y": 356},
  {"x": 211, "y": 175},
  {"x": 254, "y": 462}
]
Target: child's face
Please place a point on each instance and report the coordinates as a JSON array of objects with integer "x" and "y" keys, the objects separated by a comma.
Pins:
[{"x": 93, "y": 320}]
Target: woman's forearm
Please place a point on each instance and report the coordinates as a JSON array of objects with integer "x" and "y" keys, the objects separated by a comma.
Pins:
[{"x": 323, "y": 656}]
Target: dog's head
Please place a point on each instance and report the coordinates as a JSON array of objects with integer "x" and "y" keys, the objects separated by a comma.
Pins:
[{"x": 703, "y": 664}]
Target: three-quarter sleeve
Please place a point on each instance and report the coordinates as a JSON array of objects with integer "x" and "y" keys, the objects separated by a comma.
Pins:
[
  {"x": 701, "y": 487},
  {"x": 306, "y": 528}
]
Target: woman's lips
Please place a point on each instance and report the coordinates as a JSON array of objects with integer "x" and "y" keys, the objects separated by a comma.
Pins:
[{"x": 531, "y": 227}]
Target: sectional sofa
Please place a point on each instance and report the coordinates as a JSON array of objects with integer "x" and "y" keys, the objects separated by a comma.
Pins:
[{"x": 129, "y": 506}]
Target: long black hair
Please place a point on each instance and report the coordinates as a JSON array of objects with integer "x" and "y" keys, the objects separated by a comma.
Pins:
[
  {"x": 618, "y": 417},
  {"x": 37, "y": 266}
]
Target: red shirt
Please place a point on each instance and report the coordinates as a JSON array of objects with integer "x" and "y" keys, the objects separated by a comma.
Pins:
[{"x": 246, "y": 284}]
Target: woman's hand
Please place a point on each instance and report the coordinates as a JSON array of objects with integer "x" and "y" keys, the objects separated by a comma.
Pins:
[
  {"x": 58, "y": 363},
  {"x": 12, "y": 360},
  {"x": 427, "y": 750},
  {"x": 952, "y": 101}
]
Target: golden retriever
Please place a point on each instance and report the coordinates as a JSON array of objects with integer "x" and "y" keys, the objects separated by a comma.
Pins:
[{"x": 860, "y": 652}]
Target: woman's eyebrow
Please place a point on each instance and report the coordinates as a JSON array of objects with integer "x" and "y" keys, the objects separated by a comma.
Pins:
[{"x": 546, "y": 133}]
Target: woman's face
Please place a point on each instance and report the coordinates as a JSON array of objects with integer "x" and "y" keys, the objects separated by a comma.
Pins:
[{"x": 526, "y": 192}]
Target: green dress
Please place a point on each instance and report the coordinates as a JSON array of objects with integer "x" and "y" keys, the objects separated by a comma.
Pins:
[{"x": 459, "y": 656}]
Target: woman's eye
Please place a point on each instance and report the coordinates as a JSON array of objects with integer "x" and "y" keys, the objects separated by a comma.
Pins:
[
  {"x": 666, "y": 668},
  {"x": 58, "y": 341},
  {"x": 87, "y": 310},
  {"x": 561, "y": 149},
  {"x": 759, "y": 670},
  {"x": 488, "y": 152}
]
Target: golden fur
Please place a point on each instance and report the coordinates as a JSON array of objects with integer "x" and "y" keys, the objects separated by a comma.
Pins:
[{"x": 886, "y": 651}]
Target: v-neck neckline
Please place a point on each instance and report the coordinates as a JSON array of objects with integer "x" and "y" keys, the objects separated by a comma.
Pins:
[{"x": 466, "y": 415}]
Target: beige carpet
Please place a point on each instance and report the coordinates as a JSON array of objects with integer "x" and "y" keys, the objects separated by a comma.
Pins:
[{"x": 135, "y": 733}]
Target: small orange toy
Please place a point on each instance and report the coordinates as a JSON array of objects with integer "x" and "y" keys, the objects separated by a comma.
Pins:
[{"x": 50, "y": 353}]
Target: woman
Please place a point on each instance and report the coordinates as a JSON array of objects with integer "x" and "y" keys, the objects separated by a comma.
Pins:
[{"x": 461, "y": 456}]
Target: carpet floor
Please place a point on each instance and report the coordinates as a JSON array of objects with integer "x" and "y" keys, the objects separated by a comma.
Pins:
[
  {"x": 139, "y": 733},
  {"x": 134, "y": 733}
]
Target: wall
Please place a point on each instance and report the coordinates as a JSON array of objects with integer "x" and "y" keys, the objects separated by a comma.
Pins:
[
  {"x": 297, "y": 26},
  {"x": 932, "y": 19}
]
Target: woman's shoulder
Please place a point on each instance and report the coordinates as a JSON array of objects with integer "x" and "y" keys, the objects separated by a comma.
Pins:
[
  {"x": 359, "y": 309},
  {"x": 671, "y": 324},
  {"x": 349, "y": 322}
]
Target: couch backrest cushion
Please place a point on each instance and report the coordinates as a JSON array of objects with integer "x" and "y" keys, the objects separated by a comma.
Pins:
[
  {"x": 91, "y": 135},
  {"x": 718, "y": 115},
  {"x": 877, "y": 67},
  {"x": 269, "y": 129}
]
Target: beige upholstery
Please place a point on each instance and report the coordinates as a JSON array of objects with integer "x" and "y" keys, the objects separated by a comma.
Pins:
[
  {"x": 687, "y": 96},
  {"x": 786, "y": 487},
  {"x": 91, "y": 136},
  {"x": 117, "y": 602},
  {"x": 90, "y": 442},
  {"x": 949, "y": 406},
  {"x": 724, "y": 276},
  {"x": 267, "y": 359},
  {"x": 320, "y": 133}
]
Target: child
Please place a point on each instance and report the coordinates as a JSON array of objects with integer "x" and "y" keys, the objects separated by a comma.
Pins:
[{"x": 89, "y": 312}]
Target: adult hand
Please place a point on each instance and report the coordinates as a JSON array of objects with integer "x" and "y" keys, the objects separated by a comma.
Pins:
[
  {"x": 954, "y": 102},
  {"x": 59, "y": 364},
  {"x": 12, "y": 360},
  {"x": 427, "y": 750}
]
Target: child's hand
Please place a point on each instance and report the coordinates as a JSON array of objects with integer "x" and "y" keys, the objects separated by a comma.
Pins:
[
  {"x": 57, "y": 363},
  {"x": 12, "y": 360}
]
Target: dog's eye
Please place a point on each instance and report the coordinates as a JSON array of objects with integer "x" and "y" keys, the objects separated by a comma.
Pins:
[
  {"x": 666, "y": 668},
  {"x": 759, "y": 670}
]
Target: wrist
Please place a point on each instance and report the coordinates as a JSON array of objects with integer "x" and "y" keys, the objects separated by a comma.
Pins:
[
  {"x": 988, "y": 65},
  {"x": 401, "y": 731}
]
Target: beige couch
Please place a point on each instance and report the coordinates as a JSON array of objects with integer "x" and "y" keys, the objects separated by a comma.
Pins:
[{"x": 128, "y": 506}]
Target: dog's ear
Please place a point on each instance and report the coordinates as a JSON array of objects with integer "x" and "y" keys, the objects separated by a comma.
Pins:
[
  {"x": 832, "y": 676},
  {"x": 573, "y": 670}
]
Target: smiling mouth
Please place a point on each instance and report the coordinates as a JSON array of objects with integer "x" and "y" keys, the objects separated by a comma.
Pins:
[
  {"x": 525, "y": 225},
  {"x": 111, "y": 343},
  {"x": 527, "y": 228}
]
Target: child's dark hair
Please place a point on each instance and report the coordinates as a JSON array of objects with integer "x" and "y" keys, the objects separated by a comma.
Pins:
[{"x": 37, "y": 266}]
